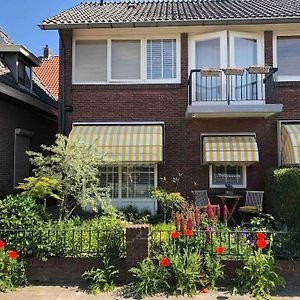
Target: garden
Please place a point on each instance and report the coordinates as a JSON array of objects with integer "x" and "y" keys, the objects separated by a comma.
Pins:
[{"x": 189, "y": 246}]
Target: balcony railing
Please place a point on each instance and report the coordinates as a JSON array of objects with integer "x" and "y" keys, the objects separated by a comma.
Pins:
[{"x": 232, "y": 85}]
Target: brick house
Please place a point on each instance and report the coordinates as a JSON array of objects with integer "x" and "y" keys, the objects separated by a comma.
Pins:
[
  {"x": 28, "y": 112},
  {"x": 206, "y": 88}
]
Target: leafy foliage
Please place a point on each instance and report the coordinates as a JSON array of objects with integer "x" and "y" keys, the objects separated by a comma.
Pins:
[
  {"x": 131, "y": 214},
  {"x": 102, "y": 280},
  {"x": 214, "y": 269},
  {"x": 20, "y": 211},
  {"x": 12, "y": 272},
  {"x": 76, "y": 170},
  {"x": 41, "y": 188},
  {"x": 283, "y": 193},
  {"x": 258, "y": 275}
]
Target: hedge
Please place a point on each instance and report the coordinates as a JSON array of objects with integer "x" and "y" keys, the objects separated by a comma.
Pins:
[{"x": 282, "y": 187}]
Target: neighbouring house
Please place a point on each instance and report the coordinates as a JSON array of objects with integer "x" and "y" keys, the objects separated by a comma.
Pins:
[
  {"x": 207, "y": 88},
  {"x": 48, "y": 71},
  {"x": 28, "y": 112}
]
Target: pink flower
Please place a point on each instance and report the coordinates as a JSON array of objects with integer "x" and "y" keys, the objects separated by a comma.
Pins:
[
  {"x": 210, "y": 212},
  {"x": 190, "y": 224},
  {"x": 177, "y": 216},
  {"x": 182, "y": 224},
  {"x": 208, "y": 235},
  {"x": 218, "y": 212},
  {"x": 197, "y": 217},
  {"x": 225, "y": 214}
]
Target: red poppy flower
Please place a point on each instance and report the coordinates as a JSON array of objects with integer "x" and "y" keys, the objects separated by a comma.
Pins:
[
  {"x": 188, "y": 232},
  {"x": 260, "y": 236},
  {"x": 261, "y": 244},
  {"x": 204, "y": 291},
  {"x": 219, "y": 250},
  {"x": 2, "y": 244},
  {"x": 175, "y": 235},
  {"x": 13, "y": 254},
  {"x": 165, "y": 262}
]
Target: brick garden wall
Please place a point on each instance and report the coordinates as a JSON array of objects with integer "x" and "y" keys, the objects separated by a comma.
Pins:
[{"x": 168, "y": 103}]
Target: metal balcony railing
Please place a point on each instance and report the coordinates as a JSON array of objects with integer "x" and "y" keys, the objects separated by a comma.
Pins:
[{"x": 232, "y": 85}]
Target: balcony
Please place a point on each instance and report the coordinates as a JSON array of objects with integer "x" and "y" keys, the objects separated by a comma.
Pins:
[{"x": 232, "y": 92}]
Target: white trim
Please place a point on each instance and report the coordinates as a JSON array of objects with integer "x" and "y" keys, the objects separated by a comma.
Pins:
[
  {"x": 143, "y": 79},
  {"x": 239, "y": 186},
  {"x": 275, "y": 62},
  {"x": 279, "y": 126}
]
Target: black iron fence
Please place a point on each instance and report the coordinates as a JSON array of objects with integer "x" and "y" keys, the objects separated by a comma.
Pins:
[
  {"x": 235, "y": 243},
  {"x": 232, "y": 85},
  {"x": 75, "y": 242}
]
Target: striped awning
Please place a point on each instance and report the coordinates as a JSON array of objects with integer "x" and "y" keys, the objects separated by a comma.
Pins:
[
  {"x": 290, "y": 144},
  {"x": 122, "y": 143},
  {"x": 230, "y": 149}
]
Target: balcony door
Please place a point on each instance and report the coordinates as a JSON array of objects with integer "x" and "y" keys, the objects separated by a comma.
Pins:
[
  {"x": 209, "y": 52},
  {"x": 245, "y": 50},
  {"x": 226, "y": 49}
]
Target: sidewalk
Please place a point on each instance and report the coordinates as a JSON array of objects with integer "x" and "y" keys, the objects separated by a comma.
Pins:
[{"x": 48, "y": 292}]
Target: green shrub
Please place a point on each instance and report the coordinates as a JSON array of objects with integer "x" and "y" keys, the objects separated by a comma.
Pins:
[
  {"x": 20, "y": 211},
  {"x": 283, "y": 194},
  {"x": 132, "y": 215},
  {"x": 258, "y": 275},
  {"x": 12, "y": 270},
  {"x": 102, "y": 280}
]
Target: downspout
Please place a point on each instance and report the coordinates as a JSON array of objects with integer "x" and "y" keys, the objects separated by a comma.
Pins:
[{"x": 62, "y": 95}]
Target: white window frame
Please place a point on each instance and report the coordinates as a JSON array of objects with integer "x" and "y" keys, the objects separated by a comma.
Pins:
[
  {"x": 241, "y": 186},
  {"x": 275, "y": 61},
  {"x": 143, "y": 79},
  {"x": 279, "y": 145}
]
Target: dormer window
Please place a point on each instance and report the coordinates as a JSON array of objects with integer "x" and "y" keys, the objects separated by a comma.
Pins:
[{"x": 24, "y": 74}]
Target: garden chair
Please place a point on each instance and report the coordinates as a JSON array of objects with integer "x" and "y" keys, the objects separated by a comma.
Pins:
[
  {"x": 201, "y": 199},
  {"x": 253, "y": 204}
]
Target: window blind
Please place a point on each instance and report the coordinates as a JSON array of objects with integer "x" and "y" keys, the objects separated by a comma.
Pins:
[
  {"x": 91, "y": 61},
  {"x": 161, "y": 59},
  {"x": 126, "y": 59}
]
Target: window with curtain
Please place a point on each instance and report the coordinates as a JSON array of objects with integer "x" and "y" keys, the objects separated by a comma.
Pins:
[
  {"x": 161, "y": 59},
  {"x": 221, "y": 175},
  {"x": 125, "y": 59},
  {"x": 91, "y": 61},
  {"x": 288, "y": 56},
  {"x": 125, "y": 182}
]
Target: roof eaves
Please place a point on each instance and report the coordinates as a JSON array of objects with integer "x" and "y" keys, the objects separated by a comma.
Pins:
[{"x": 167, "y": 23}]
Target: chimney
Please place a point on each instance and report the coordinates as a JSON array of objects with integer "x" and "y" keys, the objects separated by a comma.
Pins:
[{"x": 47, "y": 52}]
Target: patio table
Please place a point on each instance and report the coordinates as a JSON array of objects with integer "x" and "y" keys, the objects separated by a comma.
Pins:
[{"x": 232, "y": 208}]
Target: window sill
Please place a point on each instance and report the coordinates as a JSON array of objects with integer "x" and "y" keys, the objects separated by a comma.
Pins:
[{"x": 288, "y": 83}]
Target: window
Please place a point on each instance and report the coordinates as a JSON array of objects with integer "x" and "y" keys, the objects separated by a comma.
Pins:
[
  {"x": 24, "y": 74},
  {"x": 221, "y": 175},
  {"x": 21, "y": 160},
  {"x": 161, "y": 59},
  {"x": 128, "y": 181},
  {"x": 288, "y": 57},
  {"x": 126, "y": 61},
  {"x": 91, "y": 61}
]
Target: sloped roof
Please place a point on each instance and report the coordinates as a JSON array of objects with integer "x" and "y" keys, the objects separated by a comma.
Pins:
[
  {"x": 167, "y": 13},
  {"x": 39, "y": 91},
  {"x": 48, "y": 73}
]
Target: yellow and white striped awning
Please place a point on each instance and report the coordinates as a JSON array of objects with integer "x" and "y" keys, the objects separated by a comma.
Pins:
[
  {"x": 290, "y": 144},
  {"x": 230, "y": 149},
  {"x": 122, "y": 143}
]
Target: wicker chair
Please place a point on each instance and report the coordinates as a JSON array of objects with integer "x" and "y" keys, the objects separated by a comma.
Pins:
[{"x": 253, "y": 204}]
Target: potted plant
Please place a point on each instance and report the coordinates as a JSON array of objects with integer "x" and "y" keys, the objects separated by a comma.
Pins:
[{"x": 229, "y": 190}]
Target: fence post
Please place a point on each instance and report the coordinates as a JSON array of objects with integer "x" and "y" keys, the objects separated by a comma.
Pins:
[{"x": 137, "y": 246}]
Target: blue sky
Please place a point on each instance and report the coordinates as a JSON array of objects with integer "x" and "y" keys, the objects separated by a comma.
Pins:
[{"x": 19, "y": 19}]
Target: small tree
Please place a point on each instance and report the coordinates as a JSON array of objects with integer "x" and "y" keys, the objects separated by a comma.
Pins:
[
  {"x": 41, "y": 187},
  {"x": 75, "y": 167}
]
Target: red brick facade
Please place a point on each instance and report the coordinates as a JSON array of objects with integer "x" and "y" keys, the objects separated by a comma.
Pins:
[{"x": 168, "y": 103}]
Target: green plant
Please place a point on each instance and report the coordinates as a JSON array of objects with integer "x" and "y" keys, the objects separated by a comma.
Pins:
[
  {"x": 102, "y": 280},
  {"x": 76, "y": 169},
  {"x": 282, "y": 193},
  {"x": 214, "y": 269},
  {"x": 12, "y": 270},
  {"x": 20, "y": 211},
  {"x": 149, "y": 278},
  {"x": 259, "y": 274},
  {"x": 131, "y": 214},
  {"x": 41, "y": 188},
  {"x": 168, "y": 201}
]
